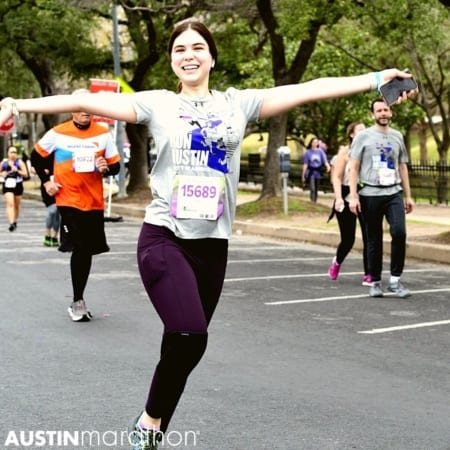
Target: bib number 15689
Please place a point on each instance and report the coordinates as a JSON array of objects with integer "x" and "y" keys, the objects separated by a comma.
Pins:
[{"x": 197, "y": 197}]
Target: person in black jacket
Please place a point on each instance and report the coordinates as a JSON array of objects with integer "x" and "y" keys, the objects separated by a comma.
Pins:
[{"x": 52, "y": 219}]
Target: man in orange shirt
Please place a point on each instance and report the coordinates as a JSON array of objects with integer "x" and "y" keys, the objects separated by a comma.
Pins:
[{"x": 84, "y": 152}]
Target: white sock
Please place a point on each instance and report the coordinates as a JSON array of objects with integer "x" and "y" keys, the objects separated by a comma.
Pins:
[
  {"x": 146, "y": 427},
  {"x": 394, "y": 280}
]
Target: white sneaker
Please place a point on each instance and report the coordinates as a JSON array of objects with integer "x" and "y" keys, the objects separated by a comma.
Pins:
[
  {"x": 78, "y": 311},
  {"x": 376, "y": 290},
  {"x": 398, "y": 289}
]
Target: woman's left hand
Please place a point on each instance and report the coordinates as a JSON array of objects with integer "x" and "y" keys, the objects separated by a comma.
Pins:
[{"x": 389, "y": 74}]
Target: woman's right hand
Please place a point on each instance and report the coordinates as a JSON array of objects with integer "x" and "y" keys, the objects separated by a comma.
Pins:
[
  {"x": 6, "y": 111},
  {"x": 339, "y": 205}
]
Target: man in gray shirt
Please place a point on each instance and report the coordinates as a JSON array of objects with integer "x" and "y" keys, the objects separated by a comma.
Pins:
[{"x": 378, "y": 167}]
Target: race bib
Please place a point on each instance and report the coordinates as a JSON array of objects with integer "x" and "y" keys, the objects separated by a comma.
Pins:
[
  {"x": 10, "y": 183},
  {"x": 84, "y": 160},
  {"x": 386, "y": 177},
  {"x": 197, "y": 197}
]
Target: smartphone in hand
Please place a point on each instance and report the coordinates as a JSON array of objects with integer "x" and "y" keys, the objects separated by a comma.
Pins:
[{"x": 393, "y": 89}]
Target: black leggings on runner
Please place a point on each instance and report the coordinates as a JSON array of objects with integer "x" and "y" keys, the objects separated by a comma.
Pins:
[
  {"x": 184, "y": 280},
  {"x": 80, "y": 266},
  {"x": 347, "y": 227}
]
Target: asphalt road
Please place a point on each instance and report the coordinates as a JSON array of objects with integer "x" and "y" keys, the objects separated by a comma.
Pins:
[{"x": 295, "y": 361}]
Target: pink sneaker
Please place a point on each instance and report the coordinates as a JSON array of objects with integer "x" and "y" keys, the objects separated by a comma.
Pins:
[
  {"x": 367, "y": 280},
  {"x": 333, "y": 271}
]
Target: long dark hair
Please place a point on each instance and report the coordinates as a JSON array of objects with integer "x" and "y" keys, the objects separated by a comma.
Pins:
[
  {"x": 311, "y": 141},
  {"x": 201, "y": 29},
  {"x": 351, "y": 130}
]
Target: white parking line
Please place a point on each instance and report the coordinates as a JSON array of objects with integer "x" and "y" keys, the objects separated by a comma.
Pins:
[
  {"x": 310, "y": 275},
  {"x": 348, "y": 297},
  {"x": 269, "y": 260},
  {"x": 313, "y": 300},
  {"x": 405, "y": 327}
]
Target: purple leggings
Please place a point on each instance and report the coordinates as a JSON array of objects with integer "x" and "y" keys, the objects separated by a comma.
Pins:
[{"x": 184, "y": 280}]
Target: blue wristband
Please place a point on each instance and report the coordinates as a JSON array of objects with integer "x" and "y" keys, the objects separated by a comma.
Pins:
[{"x": 377, "y": 81}]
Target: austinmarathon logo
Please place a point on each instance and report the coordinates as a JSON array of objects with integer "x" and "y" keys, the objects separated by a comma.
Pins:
[{"x": 61, "y": 439}]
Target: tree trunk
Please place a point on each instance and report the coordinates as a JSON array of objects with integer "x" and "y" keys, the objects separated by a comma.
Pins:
[
  {"x": 282, "y": 75},
  {"x": 277, "y": 138},
  {"x": 442, "y": 182},
  {"x": 42, "y": 71},
  {"x": 422, "y": 133}
]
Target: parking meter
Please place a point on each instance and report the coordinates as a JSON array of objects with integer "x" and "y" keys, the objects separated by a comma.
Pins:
[{"x": 284, "y": 154}]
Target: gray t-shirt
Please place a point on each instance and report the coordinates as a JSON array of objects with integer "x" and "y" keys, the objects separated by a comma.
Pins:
[
  {"x": 380, "y": 155},
  {"x": 195, "y": 177}
]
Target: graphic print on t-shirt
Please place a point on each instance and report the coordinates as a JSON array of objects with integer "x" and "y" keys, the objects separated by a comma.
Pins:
[
  {"x": 206, "y": 141},
  {"x": 201, "y": 161},
  {"x": 385, "y": 165},
  {"x": 386, "y": 155},
  {"x": 315, "y": 161}
]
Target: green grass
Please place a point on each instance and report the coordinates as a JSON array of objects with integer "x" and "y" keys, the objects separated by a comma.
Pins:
[
  {"x": 274, "y": 206},
  {"x": 432, "y": 153}
]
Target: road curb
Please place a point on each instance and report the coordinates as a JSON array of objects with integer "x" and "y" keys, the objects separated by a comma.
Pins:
[{"x": 417, "y": 250}]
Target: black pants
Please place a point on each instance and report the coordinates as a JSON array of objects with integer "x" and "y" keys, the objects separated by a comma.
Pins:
[
  {"x": 347, "y": 227},
  {"x": 374, "y": 210},
  {"x": 314, "y": 183},
  {"x": 83, "y": 234}
]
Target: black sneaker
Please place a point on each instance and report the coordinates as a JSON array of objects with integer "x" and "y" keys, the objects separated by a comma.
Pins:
[
  {"x": 47, "y": 241},
  {"x": 141, "y": 438},
  {"x": 11, "y": 227},
  {"x": 54, "y": 242}
]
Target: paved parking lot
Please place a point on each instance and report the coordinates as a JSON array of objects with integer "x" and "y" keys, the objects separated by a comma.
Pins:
[{"x": 295, "y": 361}]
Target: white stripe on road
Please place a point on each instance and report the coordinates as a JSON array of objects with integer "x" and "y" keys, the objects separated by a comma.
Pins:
[
  {"x": 269, "y": 260},
  {"x": 405, "y": 327},
  {"x": 311, "y": 275},
  {"x": 347, "y": 297},
  {"x": 313, "y": 300},
  {"x": 276, "y": 277}
]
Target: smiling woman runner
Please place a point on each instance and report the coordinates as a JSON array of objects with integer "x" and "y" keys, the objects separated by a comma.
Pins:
[
  {"x": 183, "y": 244},
  {"x": 13, "y": 170}
]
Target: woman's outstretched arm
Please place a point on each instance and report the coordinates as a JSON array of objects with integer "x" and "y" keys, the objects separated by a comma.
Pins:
[
  {"x": 281, "y": 99},
  {"x": 115, "y": 106}
]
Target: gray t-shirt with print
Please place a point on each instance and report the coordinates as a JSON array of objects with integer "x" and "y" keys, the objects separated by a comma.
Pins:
[
  {"x": 195, "y": 177},
  {"x": 380, "y": 154}
]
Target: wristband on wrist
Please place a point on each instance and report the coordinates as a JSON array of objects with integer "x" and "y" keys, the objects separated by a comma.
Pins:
[
  {"x": 377, "y": 81},
  {"x": 13, "y": 105}
]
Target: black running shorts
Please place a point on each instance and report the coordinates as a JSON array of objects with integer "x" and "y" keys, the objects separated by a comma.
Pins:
[{"x": 83, "y": 231}]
